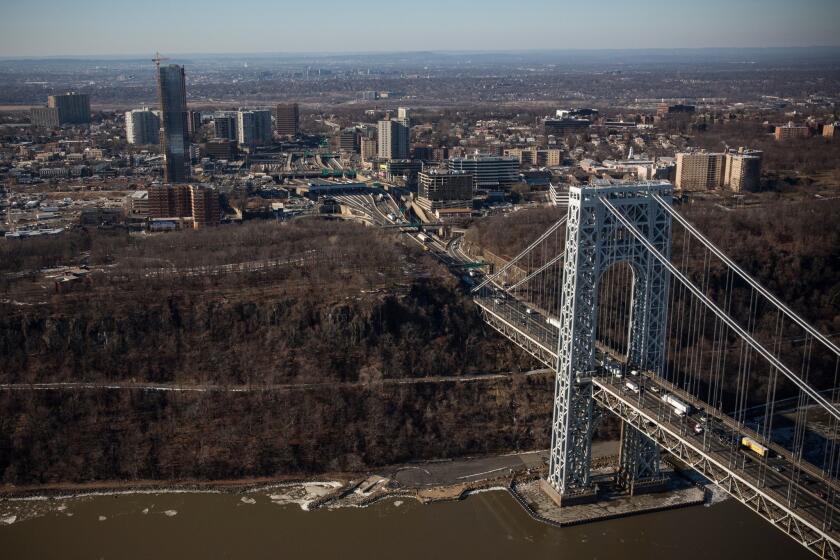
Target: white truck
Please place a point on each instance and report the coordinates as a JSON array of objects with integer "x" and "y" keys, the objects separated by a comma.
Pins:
[
  {"x": 633, "y": 386},
  {"x": 680, "y": 408}
]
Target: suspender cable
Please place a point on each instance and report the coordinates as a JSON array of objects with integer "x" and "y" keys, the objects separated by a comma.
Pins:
[
  {"x": 829, "y": 407},
  {"x": 746, "y": 277}
]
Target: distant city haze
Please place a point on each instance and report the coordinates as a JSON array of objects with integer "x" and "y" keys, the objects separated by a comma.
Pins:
[{"x": 97, "y": 27}]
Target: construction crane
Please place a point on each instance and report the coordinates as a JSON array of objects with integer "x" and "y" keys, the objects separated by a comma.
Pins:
[{"x": 158, "y": 58}]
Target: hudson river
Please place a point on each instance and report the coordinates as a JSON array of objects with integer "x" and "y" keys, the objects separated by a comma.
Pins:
[{"x": 487, "y": 525}]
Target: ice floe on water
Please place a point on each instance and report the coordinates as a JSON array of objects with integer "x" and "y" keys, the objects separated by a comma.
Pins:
[
  {"x": 102, "y": 518},
  {"x": 8, "y": 520},
  {"x": 483, "y": 490},
  {"x": 398, "y": 503},
  {"x": 247, "y": 500},
  {"x": 145, "y": 511},
  {"x": 170, "y": 513},
  {"x": 302, "y": 494}
]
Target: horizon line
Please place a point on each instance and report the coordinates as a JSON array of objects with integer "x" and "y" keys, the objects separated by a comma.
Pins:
[{"x": 129, "y": 56}]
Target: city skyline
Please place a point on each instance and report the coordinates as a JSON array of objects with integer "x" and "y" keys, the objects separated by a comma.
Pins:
[{"x": 379, "y": 26}]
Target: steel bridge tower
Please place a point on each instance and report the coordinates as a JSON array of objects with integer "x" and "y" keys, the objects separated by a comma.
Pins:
[{"x": 595, "y": 241}]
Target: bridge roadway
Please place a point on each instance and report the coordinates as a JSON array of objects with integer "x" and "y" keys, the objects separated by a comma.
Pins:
[
  {"x": 772, "y": 486},
  {"x": 793, "y": 500},
  {"x": 795, "y": 497}
]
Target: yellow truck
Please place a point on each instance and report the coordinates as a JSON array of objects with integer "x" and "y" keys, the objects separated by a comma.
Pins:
[{"x": 755, "y": 447}]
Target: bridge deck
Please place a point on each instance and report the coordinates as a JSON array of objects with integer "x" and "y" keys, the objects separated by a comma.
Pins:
[{"x": 773, "y": 487}]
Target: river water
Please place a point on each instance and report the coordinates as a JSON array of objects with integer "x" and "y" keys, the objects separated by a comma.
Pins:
[{"x": 486, "y": 525}]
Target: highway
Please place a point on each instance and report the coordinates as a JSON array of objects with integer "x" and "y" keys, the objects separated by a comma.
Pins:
[{"x": 809, "y": 496}]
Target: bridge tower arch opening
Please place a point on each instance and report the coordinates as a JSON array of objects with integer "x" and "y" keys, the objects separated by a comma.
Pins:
[
  {"x": 595, "y": 242},
  {"x": 616, "y": 290}
]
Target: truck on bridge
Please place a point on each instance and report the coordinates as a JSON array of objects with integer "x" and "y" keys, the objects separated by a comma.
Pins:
[{"x": 679, "y": 406}]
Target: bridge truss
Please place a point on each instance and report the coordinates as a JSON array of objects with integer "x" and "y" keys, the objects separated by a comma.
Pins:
[{"x": 696, "y": 327}]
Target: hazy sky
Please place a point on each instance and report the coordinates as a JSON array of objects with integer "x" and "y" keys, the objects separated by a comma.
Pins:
[{"x": 100, "y": 27}]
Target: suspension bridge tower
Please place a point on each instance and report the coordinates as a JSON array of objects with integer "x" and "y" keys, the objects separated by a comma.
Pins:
[{"x": 595, "y": 241}]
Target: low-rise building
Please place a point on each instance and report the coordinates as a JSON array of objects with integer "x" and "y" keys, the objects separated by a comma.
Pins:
[{"x": 791, "y": 131}]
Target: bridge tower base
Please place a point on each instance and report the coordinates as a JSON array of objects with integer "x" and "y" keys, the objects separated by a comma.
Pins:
[{"x": 638, "y": 463}]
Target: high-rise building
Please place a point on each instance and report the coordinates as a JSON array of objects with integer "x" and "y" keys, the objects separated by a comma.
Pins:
[
  {"x": 142, "y": 126},
  {"x": 743, "y": 170},
  {"x": 170, "y": 201},
  {"x": 253, "y": 127},
  {"x": 73, "y": 108},
  {"x": 205, "y": 206},
  {"x": 185, "y": 201},
  {"x": 172, "y": 91},
  {"x": 393, "y": 141},
  {"x": 367, "y": 148},
  {"x": 224, "y": 125},
  {"x": 287, "y": 119},
  {"x": 193, "y": 122},
  {"x": 740, "y": 170},
  {"x": 700, "y": 171},
  {"x": 348, "y": 141},
  {"x": 441, "y": 188},
  {"x": 488, "y": 172},
  {"x": 45, "y": 117},
  {"x": 831, "y": 130},
  {"x": 403, "y": 117}
]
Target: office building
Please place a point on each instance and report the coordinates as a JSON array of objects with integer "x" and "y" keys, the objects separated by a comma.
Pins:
[
  {"x": 439, "y": 188},
  {"x": 253, "y": 127},
  {"x": 204, "y": 206},
  {"x": 220, "y": 148},
  {"x": 287, "y": 119},
  {"x": 172, "y": 91},
  {"x": 142, "y": 126},
  {"x": 348, "y": 141},
  {"x": 743, "y": 170},
  {"x": 664, "y": 109},
  {"x": 490, "y": 173},
  {"x": 791, "y": 131},
  {"x": 73, "y": 108},
  {"x": 393, "y": 141},
  {"x": 224, "y": 126},
  {"x": 564, "y": 126},
  {"x": 405, "y": 169},
  {"x": 45, "y": 117},
  {"x": 831, "y": 131}
]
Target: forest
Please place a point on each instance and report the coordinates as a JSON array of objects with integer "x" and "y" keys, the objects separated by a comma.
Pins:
[{"x": 359, "y": 308}]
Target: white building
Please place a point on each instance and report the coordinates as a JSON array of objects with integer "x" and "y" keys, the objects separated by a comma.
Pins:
[
  {"x": 393, "y": 141},
  {"x": 253, "y": 127},
  {"x": 142, "y": 126}
]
